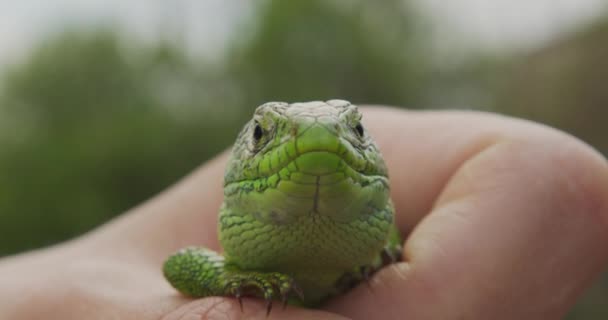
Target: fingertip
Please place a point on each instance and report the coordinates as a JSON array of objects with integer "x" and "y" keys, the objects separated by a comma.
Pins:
[{"x": 387, "y": 296}]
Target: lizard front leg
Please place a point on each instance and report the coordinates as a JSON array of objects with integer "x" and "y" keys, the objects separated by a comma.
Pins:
[{"x": 200, "y": 272}]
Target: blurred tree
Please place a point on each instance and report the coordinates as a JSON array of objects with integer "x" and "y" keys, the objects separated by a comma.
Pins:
[
  {"x": 318, "y": 49},
  {"x": 95, "y": 128}
]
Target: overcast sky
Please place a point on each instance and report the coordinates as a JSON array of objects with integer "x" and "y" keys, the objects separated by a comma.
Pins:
[
  {"x": 490, "y": 24},
  {"x": 505, "y": 24}
]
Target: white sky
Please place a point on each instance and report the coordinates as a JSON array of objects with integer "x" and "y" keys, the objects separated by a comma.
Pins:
[
  {"x": 206, "y": 24},
  {"x": 509, "y": 24}
]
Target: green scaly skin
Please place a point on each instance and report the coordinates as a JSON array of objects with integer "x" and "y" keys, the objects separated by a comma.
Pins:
[{"x": 306, "y": 210}]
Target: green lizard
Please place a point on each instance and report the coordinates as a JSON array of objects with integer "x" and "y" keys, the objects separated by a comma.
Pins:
[{"x": 306, "y": 210}]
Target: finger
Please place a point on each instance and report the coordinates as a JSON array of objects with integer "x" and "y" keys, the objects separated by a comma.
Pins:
[
  {"x": 183, "y": 215},
  {"x": 424, "y": 149},
  {"x": 515, "y": 230},
  {"x": 226, "y": 308}
]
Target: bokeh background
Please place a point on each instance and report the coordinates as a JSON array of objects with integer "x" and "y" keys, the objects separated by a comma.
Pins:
[{"x": 105, "y": 103}]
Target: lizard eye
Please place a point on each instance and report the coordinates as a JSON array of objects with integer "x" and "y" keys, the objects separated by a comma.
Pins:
[
  {"x": 359, "y": 129},
  {"x": 257, "y": 132}
]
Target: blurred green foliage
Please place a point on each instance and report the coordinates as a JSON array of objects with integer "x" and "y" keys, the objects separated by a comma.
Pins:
[
  {"x": 92, "y": 124},
  {"x": 91, "y": 133},
  {"x": 319, "y": 50}
]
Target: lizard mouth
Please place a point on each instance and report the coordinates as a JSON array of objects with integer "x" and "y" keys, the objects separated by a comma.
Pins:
[
  {"x": 314, "y": 167},
  {"x": 319, "y": 163},
  {"x": 315, "y": 182},
  {"x": 323, "y": 174}
]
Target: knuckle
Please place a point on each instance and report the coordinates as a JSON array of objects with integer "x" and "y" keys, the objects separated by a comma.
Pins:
[{"x": 573, "y": 174}]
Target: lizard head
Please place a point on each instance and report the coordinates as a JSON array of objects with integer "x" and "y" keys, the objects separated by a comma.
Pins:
[{"x": 305, "y": 159}]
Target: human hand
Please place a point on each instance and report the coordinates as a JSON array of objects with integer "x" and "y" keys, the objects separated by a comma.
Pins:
[{"x": 506, "y": 220}]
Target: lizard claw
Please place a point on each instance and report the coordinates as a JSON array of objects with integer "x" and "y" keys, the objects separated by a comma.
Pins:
[
  {"x": 366, "y": 272},
  {"x": 268, "y": 286},
  {"x": 288, "y": 289},
  {"x": 239, "y": 297},
  {"x": 297, "y": 290},
  {"x": 391, "y": 254},
  {"x": 235, "y": 288},
  {"x": 268, "y": 307}
]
